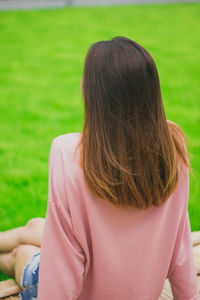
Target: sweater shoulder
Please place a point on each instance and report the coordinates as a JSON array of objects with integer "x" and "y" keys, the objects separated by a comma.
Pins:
[{"x": 66, "y": 142}]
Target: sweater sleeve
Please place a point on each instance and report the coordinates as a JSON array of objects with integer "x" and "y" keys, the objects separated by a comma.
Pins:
[
  {"x": 62, "y": 258},
  {"x": 182, "y": 273}
]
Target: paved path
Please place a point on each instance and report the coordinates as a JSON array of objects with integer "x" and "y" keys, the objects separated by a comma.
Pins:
[{"x": 29, "y": 4}]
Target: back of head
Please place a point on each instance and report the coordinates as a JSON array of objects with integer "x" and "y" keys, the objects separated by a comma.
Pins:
[{"x": 129, "y": 151}]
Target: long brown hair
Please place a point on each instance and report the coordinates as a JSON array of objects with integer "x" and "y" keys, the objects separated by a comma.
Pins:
[{"x": 129, "y": 151}]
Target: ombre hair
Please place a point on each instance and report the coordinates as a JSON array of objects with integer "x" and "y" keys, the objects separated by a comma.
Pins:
[{"x": 130, "y": 153}]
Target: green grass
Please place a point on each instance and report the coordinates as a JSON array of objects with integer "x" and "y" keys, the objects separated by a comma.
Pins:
[{"x": 41, "y": 61}]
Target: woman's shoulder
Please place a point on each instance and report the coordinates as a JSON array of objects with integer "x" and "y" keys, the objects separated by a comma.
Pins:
[
  {"x": 64, "y": 148},
  {"x": 66, "y": 142}
]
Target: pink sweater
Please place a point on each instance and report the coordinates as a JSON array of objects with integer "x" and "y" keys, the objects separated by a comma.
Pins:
[{"x": 92, "y": 250}]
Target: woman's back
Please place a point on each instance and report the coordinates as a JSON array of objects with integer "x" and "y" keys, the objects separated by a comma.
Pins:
[{"x": 94, "y": 250}]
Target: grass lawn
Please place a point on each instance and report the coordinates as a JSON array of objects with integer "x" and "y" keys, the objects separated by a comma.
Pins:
[{"x": 41, "y": 61}]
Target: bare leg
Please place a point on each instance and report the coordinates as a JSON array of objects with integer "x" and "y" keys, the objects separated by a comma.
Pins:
[
  {"x": 7, "y": 263},
  {"x": 31, "y": 234},
  {"x": 23, "y": 255},
  {"x": 13, "y": 263}
]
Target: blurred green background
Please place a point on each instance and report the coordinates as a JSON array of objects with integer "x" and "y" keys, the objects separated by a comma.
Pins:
[{"x": 41, "y": 62}]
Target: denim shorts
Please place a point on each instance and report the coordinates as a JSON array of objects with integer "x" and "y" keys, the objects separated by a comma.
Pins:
[{"x": 29, "y": 279}]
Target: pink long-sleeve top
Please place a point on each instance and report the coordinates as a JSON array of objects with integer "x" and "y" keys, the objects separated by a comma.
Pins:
[{"x": 93, "y": 250}]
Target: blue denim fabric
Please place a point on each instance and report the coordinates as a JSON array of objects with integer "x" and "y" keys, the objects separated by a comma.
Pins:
[{"x": 30, "y": 278}]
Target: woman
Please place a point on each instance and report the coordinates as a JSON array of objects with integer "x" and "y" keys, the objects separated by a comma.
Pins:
[{"x": 117, "y": 221}]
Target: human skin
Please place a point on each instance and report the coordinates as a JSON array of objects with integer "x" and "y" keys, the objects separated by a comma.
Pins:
[{"x": 18, "y": 245}]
